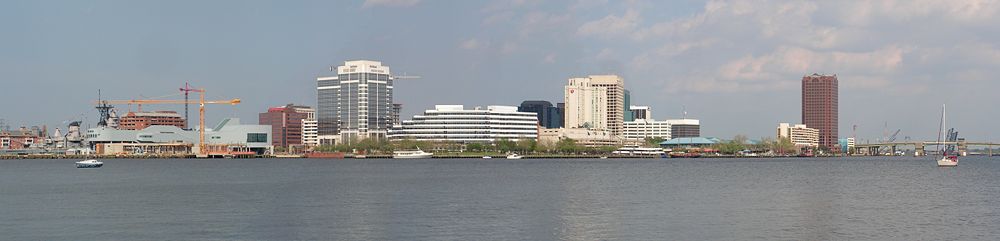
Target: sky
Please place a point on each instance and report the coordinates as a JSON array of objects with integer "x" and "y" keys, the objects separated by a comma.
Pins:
[{"x": 735, "y": 65}]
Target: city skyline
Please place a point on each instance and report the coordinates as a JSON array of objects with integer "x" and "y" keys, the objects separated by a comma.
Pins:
[{"x": 733, "y": 65}]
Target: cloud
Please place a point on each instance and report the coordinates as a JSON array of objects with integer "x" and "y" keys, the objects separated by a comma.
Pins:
[
  {"x": 389, "y": 3},
  {"x": 549, "y": 58},
  {"x": 611, "y": 25},
  {"x": 470, "y": 44},
  {"x": 751, "y": 46}
]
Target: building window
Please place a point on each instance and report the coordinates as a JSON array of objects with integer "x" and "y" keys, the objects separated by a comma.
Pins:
[
  {"x": 257, "y": 138},
  {"x": 4, "y": 142}
]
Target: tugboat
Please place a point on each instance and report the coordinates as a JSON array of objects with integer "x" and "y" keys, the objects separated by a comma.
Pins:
[{"x": 89, "y": 164}]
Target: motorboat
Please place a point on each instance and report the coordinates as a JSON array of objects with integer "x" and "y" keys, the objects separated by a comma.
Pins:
[
  {"x": 89, "y": 164},
  {"x": 418, "y": 154},
  {"x": 487, "y": 157},
  {"x": 514, "y": 156}
]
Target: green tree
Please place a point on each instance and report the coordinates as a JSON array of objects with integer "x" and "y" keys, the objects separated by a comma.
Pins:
[
  {"x": 527, "y": 146},
  {"x": 566, "y": 146},
  {"x": 474, "y": 147},
  {"x": 506, "y": 145},
  {"x": 653, "y": 141}
]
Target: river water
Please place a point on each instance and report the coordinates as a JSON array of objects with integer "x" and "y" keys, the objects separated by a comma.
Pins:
[{"x": 875, "y": 198}]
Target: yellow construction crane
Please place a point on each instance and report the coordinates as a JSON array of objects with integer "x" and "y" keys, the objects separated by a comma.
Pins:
[{"x": 201, "y": 111}]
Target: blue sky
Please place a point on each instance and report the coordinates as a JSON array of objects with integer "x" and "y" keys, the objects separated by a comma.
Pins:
[{"x": 735, "y": 65}]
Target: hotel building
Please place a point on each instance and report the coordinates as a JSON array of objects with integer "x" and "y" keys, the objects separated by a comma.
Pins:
[
  {"x": 595, "y": 102},
  {"x": 454, "y": 123}
]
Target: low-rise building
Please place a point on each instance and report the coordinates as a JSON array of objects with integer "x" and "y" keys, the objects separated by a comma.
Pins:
[
  {"x": 799, "y": 134},
  {"x": 21, "y": 139},
  {"x": 229, "y": 136},
  {"x": 847, "y": 144},
  {"x": 640, "y": 129},
  {"x": 454, "y": 123},
  {"x": 141, "y": 120},
  {"x": 582, "y": 136},
  {"x": 287, "y": 124},
  {"x": 682, "y": 128},
  {"x": 689, "y": 142}
]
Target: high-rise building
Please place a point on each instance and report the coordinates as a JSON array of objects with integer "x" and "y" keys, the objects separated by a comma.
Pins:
[
  {"x": 640, "y": 112},
  {"x": 548, "y": 116},
  {"x": 286, "y": 124},
  {"x": 356, "y": 103},
  {"x": 800, "y": 135},
  {"x": 595, "y": 102},
  {"x": 141, "y": 120},
  {"x": 683, "y": 128},
  {"x": 819, "y": 107},
  {"x": 454, "y": 123},
  {"x": 628, "y": 115}
]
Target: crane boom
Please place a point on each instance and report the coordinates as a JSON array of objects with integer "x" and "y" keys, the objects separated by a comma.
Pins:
[{"x": 201, "y": 110}]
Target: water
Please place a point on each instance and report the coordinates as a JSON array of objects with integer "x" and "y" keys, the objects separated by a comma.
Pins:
[{"x": 895, "y": 198}]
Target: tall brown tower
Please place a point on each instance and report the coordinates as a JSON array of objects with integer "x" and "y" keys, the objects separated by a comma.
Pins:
[{"x": 819, "y": 107}]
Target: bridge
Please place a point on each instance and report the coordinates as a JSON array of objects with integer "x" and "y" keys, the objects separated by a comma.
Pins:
[{"x": 963, "y": 146}]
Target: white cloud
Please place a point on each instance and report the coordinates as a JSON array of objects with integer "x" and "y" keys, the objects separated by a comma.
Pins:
[
  {"x": 549, "y": 58},
  {"x": 611, "y": 25},
  {"x": 389, "y": 3},
  {"x": 470, "y": 44}
]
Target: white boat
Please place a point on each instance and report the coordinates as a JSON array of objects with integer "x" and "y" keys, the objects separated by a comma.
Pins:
[
  {"x": 89, "y": 164},
  {"x": 946, "y": 159},
  {"x": 418, "y": 154},
  {"x": 514, "y": 156},
  {"x": 639, "y": 151},
  {"x": 487, "y": 157}
]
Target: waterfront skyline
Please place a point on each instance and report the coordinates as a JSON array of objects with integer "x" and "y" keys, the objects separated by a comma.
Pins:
[{"x": 734, "y": 65}]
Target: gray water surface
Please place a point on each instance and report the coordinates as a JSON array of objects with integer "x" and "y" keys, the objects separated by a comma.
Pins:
[{"x": 893, "y": 198}]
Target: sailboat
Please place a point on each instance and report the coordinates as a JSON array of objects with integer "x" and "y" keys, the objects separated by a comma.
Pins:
[{"x": 946, "y": 159}]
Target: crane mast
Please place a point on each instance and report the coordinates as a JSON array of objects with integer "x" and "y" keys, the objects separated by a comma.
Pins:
[{"x": 201, "y": 110}]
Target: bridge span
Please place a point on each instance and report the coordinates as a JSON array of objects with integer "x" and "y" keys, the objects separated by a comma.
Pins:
[{"x": 963, "y": 146}]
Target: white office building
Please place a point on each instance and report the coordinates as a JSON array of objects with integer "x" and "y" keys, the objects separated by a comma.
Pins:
[
  {"x": 356, "y": 103},
  {"x": 640, "y": 129},
  {"x": 456, "y": 124},
  {"x": 799, "y": 134},
  {"x": 640, "y": 112},
  {"x": 310, "y": 128}
]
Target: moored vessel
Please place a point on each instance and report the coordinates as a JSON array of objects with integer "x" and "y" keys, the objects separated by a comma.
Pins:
[
  {"x": 89, "y": 164},
  {"x": 418, "y": 154}
]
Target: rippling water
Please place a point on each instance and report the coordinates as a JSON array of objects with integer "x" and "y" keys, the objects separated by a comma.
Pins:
[{"x": 898, "y": 198}]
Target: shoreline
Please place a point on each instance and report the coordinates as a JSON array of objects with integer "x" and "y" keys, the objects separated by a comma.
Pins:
[{"x": 443, "y": 156}]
